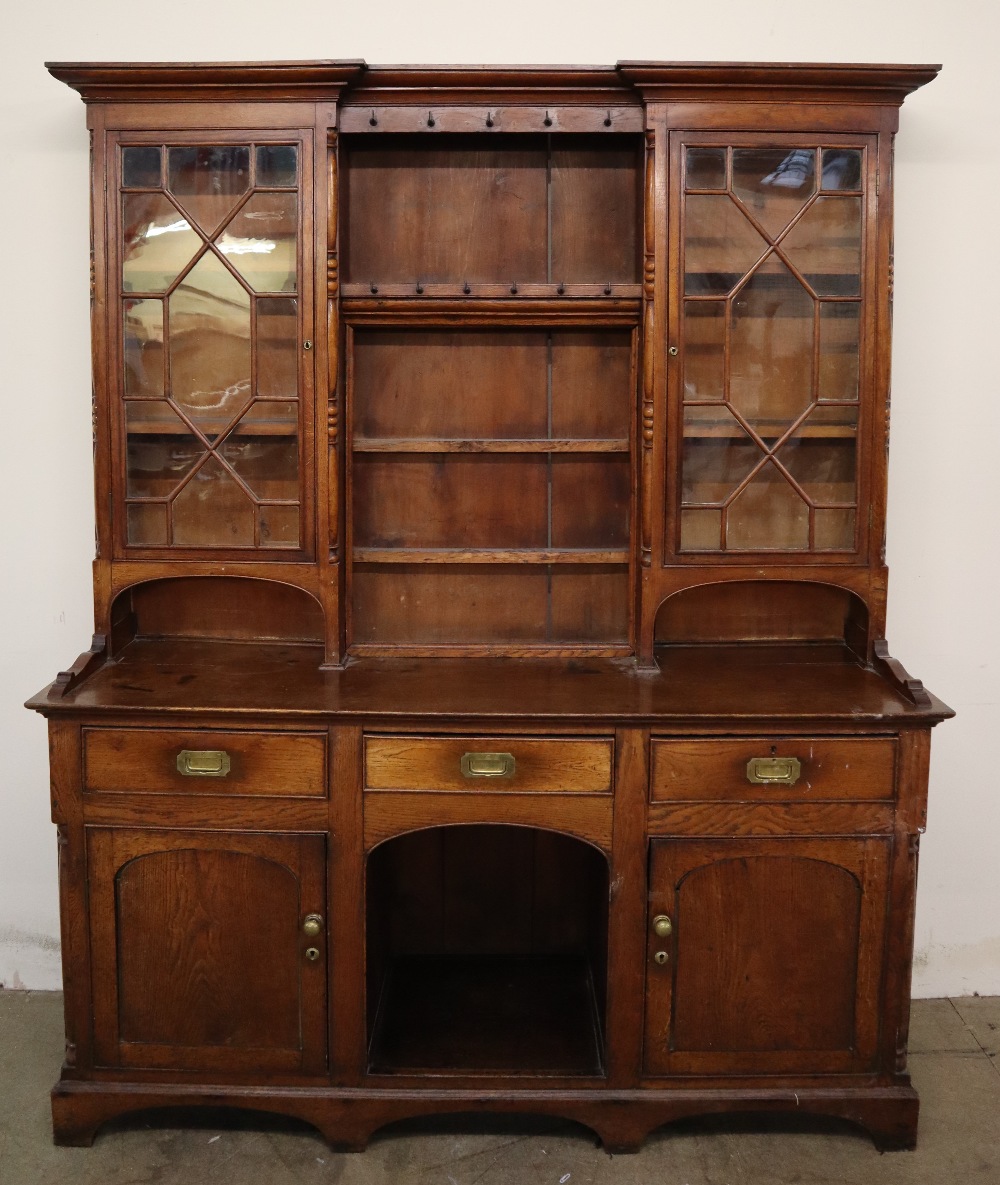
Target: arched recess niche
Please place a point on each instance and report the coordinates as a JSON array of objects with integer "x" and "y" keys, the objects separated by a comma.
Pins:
[
  {"x": 763, "y": 611},
  {"x": 216, "y": 608},
  {"x": 486, "y": 950}
]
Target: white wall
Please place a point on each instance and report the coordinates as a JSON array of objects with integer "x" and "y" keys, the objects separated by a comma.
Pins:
[{"x": 946, "y": 428}]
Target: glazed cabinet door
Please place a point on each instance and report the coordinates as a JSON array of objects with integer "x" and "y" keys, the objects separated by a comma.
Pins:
[
  {"x": 771, "y": 345},
  {"x": 764, "y": 955},
  {"x": 211, "y": 396},
  {"x": 202, "y": 958}
]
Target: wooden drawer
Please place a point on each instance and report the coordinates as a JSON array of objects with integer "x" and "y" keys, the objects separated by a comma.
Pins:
[
  {"x": 471, "y": 764},
  {"x": 146, "y": 761},
  {"x": 829, "y": 768}
]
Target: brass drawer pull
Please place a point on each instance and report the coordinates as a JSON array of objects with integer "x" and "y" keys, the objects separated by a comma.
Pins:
[
  {"x": 203, "y": 763},
  {"x": 774, "y": 771},
  {"x": 488, "y": 765}
]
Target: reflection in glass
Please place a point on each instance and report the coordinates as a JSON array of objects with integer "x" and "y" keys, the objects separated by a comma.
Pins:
[
  {"x": 839, "y": 350},
  {"x": 279, "y": 526},
  {"x": 712, "y": 468},
  {"x": 822, "y": 465},
  {"x": 260, "y": 242},
  {"x": 141, "y": 167},
  {"x": 277, "y": 348},
  {"x": 143, "y": 347},
  {"x": 771, "y": 352},
  {"x": 720, "y": 245},
  {"x": 147, "y": 524},
  {"x": 767, "y": 514},
  {"x": 825, "y": 245},
  {"x": 276, "y": 164},
  {"x": 210, "y": 345},
  {"x": 157, "y": 242},
  {"x": 208, "y": 180},
  {"x": 841, "y": 168},
  {"x": 774, "y": 183},
  {"x": 706, "y": 168},
  {"x": 704, "y": 349},
  {"x": 212, "y": 510}
]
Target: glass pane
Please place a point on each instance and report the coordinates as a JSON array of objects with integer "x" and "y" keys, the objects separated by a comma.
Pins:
[
  {"x": 841, "y": 168},
  {"x": 825, "y": 245},
  {"x": 141, "y": 167},
  {"x": 771, "y": 359},
  {"x": 276, "y": 164},
  {"x": 260, "y": 241},
  {"x": 706, "y": 168},
  {"x": 269, "y": 465},
  {"x": 701, "y": 530},
  {"x": 704, "y": 349},
  {"x": 157, "y": 242},
  {"x": 143, "y": 347},
  {"x": 822, "y": 465},
  {"x": 713, "y": 468},
  {"x": 277, "y": 348},
  {"x": 270, "y": 418},
  {"x": 208, "y": 180},
  {"x": 147, "y": 524},
  {"x": 774, "y": 183},
  {"x": 160, "y": 449},
  {"x": 212, "y": 510},
  {"x": 834, "y": 530},
  {"x": 839, "y": 349},
  {"x": 279, "y": 526},
  {"x": 210, "y": 345},
  {"x": 720, "y": 245},
  {"x": 768, "y": 514}
]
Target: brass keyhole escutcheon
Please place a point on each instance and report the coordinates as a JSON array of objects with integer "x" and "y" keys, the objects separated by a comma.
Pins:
[
  {"x": 312, "y": 953},
  {"x": 660, "y": 957},
  {"x": 662, "y": 926},
  {"x": 312, "y": 927}
]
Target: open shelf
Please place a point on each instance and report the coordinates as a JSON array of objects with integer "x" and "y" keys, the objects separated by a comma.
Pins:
[
  {"x": 487, "y": 555},
  {"x": 401, "y": 444},
  {"x": 487, "y": 1014}
]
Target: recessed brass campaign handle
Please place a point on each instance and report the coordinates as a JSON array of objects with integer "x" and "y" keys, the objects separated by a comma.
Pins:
[
  {"x": 774, "y": 771},
  {"x": 203, "y": 763},
  {"x": 488, "y": 765}
]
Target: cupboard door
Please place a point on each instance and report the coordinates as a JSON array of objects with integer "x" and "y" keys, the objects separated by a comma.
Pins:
[
  {"x": 200, "y": 958},
  {"x": 774, "y": 268},
  {"x": 215, "y": 296},
  {"x": 773, "y": 956}
]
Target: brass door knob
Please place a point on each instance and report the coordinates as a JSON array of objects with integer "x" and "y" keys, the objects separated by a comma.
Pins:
[
  {"x": 660, "y": 957},
  {"x": 312, "y": 927},
  {"x": 662, "y": 926},
  {"x": 312, "y": 953}
]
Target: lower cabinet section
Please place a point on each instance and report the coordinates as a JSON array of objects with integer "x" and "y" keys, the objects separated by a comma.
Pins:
[
  {"x": 764, "y": 955},
  {"x": 202, "y": 956}
]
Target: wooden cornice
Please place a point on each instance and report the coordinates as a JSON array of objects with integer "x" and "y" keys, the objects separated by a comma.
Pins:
[
  {"x": 207, "y": 81},
  {"x": 628, "y": 83},
  {"x": 781, "y": 81}
]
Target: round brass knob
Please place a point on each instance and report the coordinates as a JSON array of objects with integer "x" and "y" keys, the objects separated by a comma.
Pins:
[
  {"x": 312, "y": 954},
  {"x": 660, "y": 957},
  {"x": 313, "y": 925},
  {"x": 662, "y": 926}
]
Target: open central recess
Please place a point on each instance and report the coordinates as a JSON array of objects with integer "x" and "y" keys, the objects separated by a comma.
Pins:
[{"x": 487, "y": 952}]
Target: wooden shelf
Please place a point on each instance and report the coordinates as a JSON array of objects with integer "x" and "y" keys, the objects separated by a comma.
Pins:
[
  {"x": 488, "y": 555},
  {"x": 468, "y": 1014},
  {"x": 212, "y": 428},
  {"x": 402, "y": 444},
  {"x": 710, "y": 430}
]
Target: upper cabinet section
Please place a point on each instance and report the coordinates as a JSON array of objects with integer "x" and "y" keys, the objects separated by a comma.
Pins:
[{"x": 214, "y": 298}]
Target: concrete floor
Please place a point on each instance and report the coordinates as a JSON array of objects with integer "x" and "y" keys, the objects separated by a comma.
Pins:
[{"x": 954, "y": 1046}]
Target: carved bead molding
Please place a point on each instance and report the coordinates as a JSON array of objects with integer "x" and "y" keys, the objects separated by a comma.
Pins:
[{"x": 648, "y": 350}]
